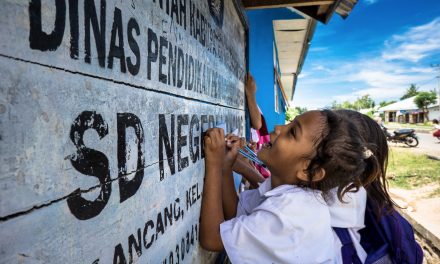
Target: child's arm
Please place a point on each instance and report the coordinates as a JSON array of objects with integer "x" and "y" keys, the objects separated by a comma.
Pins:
[
  {"x": 254, "y": 112},
  {"x": 212, "y": 214},
  {"x": 229, "y": 196},
  {"x": 249, "y": 172}
]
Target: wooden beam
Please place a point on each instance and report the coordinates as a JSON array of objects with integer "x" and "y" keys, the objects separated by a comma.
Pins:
[
  {"x": 256, "y": 4},
  {"x": 312, "y": 11}
]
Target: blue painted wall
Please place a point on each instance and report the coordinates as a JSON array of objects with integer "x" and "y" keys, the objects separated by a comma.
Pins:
[{"x": 261, "y": 61}]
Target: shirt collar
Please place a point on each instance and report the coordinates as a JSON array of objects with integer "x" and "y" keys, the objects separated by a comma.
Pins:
[
  {"x": 351, "y": 212},
  {"x": 266, "y": 190},
  {"x": 279, "y": 190},
  {"x": 265, "y": 187},
  {"x": 347, "y": 214}
]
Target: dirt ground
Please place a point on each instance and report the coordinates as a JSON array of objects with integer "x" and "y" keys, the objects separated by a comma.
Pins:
[{"x": 425, "y": 211}]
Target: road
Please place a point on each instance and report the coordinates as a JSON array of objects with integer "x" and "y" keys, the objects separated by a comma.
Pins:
[{"x": 427, "y": 145}]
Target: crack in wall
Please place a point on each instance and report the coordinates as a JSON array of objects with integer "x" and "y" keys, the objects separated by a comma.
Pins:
[
  {"x": 49, "y": 203},
  {"x": 121, "y": 82}
]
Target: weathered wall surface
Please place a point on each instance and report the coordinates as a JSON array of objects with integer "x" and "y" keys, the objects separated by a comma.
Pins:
[{"x": 103, "y": 105}]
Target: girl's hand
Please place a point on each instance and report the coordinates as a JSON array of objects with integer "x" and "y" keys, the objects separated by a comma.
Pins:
[
  {"x": 214, "y": 146},
  {"x": 253, "y": 146},
  {"x": 233, "y": 144},
  {"x": 250, "y": 87}
]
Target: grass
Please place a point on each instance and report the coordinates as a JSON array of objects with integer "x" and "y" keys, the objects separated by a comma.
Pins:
[{"x": 409, "y": 171}]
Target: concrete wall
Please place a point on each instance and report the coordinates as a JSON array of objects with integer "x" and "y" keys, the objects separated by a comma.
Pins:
[
  {"x": 103, "y": 104},
  {"x": 433, "y": 113}
]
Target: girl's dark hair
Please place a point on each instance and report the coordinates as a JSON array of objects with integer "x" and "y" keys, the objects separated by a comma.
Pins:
[{"x": 342, "y": 151}]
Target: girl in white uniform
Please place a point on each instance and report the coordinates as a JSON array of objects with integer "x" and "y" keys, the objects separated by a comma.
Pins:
[{"x": 323, "y": 165}]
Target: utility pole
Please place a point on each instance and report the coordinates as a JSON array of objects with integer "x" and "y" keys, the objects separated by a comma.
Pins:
[{"x": 437, "y": 67}]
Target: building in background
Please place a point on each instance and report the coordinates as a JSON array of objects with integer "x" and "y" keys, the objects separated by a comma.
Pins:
[{"x": 406, "y": 111}]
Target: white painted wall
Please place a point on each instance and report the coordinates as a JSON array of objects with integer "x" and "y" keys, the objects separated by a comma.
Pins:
[
  {"x": 434, "y": 113},
  {"x": 63, "y": 120}
]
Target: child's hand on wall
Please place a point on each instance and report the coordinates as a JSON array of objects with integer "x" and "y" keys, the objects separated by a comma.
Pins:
[
  {"x": 233, "y": 144},
  {"x": 250, "y": 85},
  {"x": 214, "y": 146}
]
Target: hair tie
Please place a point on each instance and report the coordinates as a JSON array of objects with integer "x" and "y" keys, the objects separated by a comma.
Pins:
[{"x": 367, "y": 153}]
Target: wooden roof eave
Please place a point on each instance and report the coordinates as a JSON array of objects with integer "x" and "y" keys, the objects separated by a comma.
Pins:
[{"x": 321, "y": 10}]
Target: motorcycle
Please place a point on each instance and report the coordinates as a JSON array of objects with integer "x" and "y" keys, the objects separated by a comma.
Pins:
[{"x": 407, "y": 136}]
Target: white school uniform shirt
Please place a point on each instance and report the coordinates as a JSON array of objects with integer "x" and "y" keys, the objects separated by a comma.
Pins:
[{"x": 290, "y": 224}]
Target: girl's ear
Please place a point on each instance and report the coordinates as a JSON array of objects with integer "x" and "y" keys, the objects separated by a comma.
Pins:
[{"x": 318, "y": 176}]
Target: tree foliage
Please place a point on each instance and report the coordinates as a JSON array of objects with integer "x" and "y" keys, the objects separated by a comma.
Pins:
[
  {"x": 344, "y": 105},
  {"x": 424, "y": 99},
  {"x": 292, "y": 112},
  {"x": 363, "y": 102},
  {"x": 410, "y": 92}
]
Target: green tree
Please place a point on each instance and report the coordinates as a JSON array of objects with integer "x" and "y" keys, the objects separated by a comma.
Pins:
[
  {"x": 344, "y": 105},
  {"x": 292, "y": 112},
  {"x": 410, "y": 92},
  {"x": 302, "y": 110},
  {"x": 364, "y": 102},
  {"x": 335, "y": 105},
  {"x": 423, "y": 99},
  {"x": 347, "y": 105}
]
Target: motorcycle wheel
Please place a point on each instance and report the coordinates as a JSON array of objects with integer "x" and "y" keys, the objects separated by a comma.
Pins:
[{"x": 411, "y": 141}]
